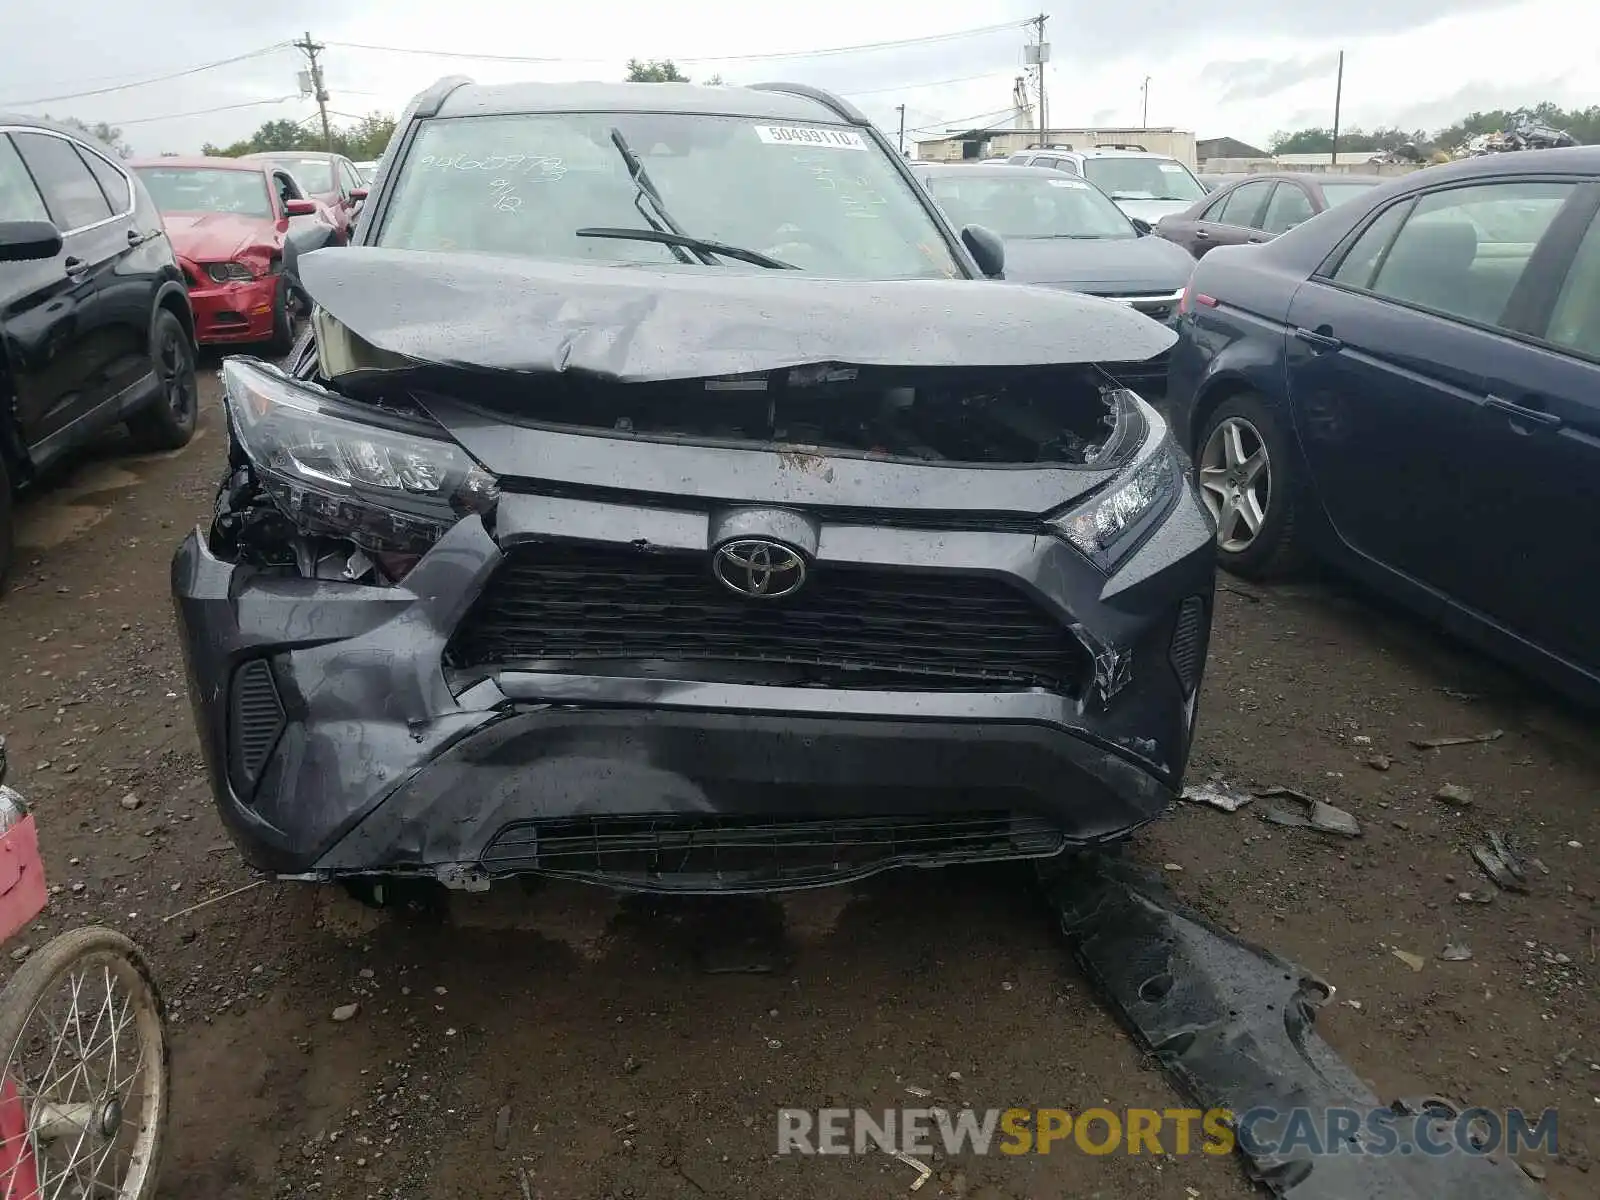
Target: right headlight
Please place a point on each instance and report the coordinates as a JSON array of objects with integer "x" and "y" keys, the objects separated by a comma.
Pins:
[
  {"x": 1109, "y": 524},
  {"x": 347, "y": 470},
  {"x": 230, "y": 272}
]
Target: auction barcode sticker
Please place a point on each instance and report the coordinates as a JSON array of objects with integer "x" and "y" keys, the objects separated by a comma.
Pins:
[{"x": 810, "y": 135}]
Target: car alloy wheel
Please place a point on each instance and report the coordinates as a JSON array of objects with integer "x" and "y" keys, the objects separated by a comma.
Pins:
[
  {"x": 176, "y": 373},
  {"x": 1235, "y": 475}
]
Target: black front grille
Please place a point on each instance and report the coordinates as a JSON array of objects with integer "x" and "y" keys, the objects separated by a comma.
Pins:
[
  {"x": 549, "y": 605},
  {"x": 255, "y": 720},
  {"x": 729, "y": 853}
]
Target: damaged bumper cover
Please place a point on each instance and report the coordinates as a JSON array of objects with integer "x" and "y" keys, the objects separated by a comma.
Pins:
[
  {"x": 341, "y": 739},
  {"x": 1234, "y": 1026}
]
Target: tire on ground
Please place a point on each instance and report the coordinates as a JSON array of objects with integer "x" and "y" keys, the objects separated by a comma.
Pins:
[
  {"x": 1278, "y": 549},
  {"x": 163, "y": 424}
]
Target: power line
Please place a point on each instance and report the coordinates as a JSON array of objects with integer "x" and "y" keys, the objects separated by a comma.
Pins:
[
  {"x": 122, "y": 87},
  {"x": 906, "y": 87},
  {"x": 712, "y": 58},
  {"x": 898, "y": 42},
  {"x": 516, "y": 58},
  {"x": 998, "y": 113},
  {"x": 205, "y": 112}
]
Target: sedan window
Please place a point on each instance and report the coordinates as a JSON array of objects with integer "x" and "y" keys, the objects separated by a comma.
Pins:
[
  {"x": 1016, "y": 205},
  {"x": 1288, "y": 207},
  {"x": 1575, "y": 323},
  {"x": 1361, "y": 263},
  {"x": 1335, "y": 194},
  {"x": 1463, "y": 251},
  {"x": 1242, "y": 207}
]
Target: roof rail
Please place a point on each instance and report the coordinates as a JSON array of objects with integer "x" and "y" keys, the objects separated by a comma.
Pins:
[
  {"x": 1120, "y": 146},
  {"x": 1048, "y": 146},
  {"x": 828, "y": 100},
  {"x": 431, "y": 99}
]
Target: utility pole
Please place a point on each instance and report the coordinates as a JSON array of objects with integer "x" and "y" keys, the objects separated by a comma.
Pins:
[
  {"x": 1042, "y": 56},
  {"x": 1338, "y": 98},
  {"x": 311, "y": 49},
  {"x": 902, "y": 109},
  {"x": 1144, "y": 118}
]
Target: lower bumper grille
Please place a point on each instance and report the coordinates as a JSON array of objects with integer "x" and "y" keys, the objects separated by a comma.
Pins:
[
  {"x": 1189, "y": 643},
  {"x": 550, "y": 605},
  {"x": 727, "y": 853},
  {"x": 255, "y": 721}
]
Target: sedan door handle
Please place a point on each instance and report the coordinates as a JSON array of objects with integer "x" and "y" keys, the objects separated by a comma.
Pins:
[
  {"x": 1202, "y": 235},
  {"x": 1523, "y": 413},
  {"x": 75, "y": 265},
  {"x": 135, "y": 237},
  {"x": 1320, "y": 342}
]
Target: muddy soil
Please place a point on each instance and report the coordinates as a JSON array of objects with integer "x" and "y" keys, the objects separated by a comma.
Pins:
[{"x": 642, "y": 1048}]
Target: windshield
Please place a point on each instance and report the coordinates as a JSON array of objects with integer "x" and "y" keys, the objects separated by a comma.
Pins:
[
  {"x": 207, "y": 189},
  {"x": 1337, "y": 193},
  {"x": 1028, "y": 206},
  {"x": 313, "y": 174},
  {"x": 823, "y": 198},
  {"x": 1143, "y": 178}
]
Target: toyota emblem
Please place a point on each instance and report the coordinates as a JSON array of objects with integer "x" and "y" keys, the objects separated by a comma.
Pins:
[{"x": 758, "y": 568}]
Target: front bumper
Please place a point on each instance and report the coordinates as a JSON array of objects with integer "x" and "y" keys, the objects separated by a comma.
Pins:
[
  {"x": 233, "y": 312},
  {"x": 339, "y": 743}
]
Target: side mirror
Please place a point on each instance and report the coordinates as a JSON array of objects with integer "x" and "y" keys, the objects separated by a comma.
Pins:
[
  {"x": 1144, "y": 227},
  {"x": 987, "y": 250},
  {"x": 299, "y": 208},
  {"x": 357, "y": 195},
  {"x": 28, "y": 241}
]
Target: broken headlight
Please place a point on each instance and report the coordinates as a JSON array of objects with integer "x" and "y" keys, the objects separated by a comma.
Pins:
[
  {"x": 384, "y": 481},
  {"x": 1107, "y": 526}
]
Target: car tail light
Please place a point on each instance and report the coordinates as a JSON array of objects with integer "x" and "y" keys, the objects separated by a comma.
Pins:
[{"x": 1190, "y": 298}]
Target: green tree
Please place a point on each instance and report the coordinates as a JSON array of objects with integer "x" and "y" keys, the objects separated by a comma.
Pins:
[
  {"x": 366, "y": 139},
  {"x": 1581, "y": 123},
  {"x": 655, "y": 70},
  {"x": 109, "y": 134}
]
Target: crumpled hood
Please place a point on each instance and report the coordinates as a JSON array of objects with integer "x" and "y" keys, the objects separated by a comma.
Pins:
[
  {"x": 1100, "y": 266},
  {"x": 217, "y": 237},
  {"x": 632, "y": 324}
]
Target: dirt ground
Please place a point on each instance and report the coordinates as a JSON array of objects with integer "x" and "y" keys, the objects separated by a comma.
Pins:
[{"x": 632, "y": 1067}]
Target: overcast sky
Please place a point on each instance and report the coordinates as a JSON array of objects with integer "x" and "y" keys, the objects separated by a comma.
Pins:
[{"x": 1215, "y": 68}]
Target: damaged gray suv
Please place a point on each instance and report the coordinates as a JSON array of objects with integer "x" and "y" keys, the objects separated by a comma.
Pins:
[{"x": 662, "y": 498}]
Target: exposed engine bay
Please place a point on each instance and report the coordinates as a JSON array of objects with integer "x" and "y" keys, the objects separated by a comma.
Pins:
[{"x": 1047, "y": 415}]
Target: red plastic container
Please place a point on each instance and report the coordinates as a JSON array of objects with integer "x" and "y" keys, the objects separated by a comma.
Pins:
[{"x": 22, "y": 887}]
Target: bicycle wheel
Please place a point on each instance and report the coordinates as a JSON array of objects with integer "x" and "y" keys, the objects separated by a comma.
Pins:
[{"x": 83, "y": 1091}]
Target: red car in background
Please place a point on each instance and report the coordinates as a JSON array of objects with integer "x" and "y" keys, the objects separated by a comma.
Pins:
[
  {"x": 330, "y": 179},
  {"x": 238, "y": 228}
]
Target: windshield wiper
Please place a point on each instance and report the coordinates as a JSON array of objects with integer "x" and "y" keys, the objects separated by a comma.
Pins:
[
  {"x": 700, "y": 246},
  {"x": 666, "y": 231},
  {"x": 646, "y": 190}
]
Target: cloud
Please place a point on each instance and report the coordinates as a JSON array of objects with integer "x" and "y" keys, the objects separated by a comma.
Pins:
[
  {"x": 1258, "y": 78},
  {"x": 1240, "y": 67}
]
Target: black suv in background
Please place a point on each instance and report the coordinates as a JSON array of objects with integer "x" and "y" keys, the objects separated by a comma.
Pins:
[
  {"x": 95, "y": 325},
  {"x": 664, "y": 500}
]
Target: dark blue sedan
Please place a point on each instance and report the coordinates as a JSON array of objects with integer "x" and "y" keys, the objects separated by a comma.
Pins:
[{"x": 1408, "y": 386}]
